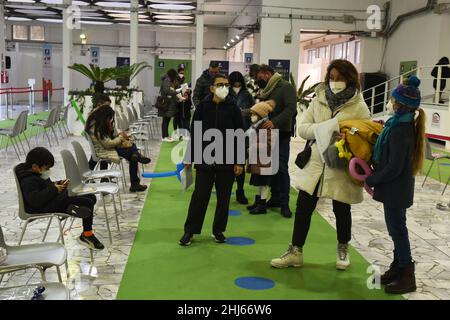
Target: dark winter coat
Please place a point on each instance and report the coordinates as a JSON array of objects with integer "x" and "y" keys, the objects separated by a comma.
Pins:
[
  {"x": 393, "y": 180},
  {"x": 168, "y": 90},
  {"x": 444, "y": 75},
  {"x": 202, "y": 85},
  {"x": 40, "y": 196},
  {"x": 222, "y": 116}
]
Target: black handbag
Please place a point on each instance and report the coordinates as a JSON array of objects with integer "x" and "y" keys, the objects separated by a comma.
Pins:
[
  {"x": 162, "y": 103},
  {"x": 304, "y": 156}
]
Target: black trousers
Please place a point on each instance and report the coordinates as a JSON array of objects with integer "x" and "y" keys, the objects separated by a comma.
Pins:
[
  {"x": 240, "y": 180},
  {"x": 306, "y": 204},
  {"x": 81, "y": 201},
  {"x": 204, "y": 181},
  {"x": 281, "y": 182},
  {"x": 92, "y": 164},
  {"x": 165, "y": 126}
]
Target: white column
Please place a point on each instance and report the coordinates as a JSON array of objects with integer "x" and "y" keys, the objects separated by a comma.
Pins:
[
  {"x": 2, "y": 39},
  {"x": 134, "y": 26},
  {"x": 199, "y": 20},
  {"x": 67, "y": 50}
]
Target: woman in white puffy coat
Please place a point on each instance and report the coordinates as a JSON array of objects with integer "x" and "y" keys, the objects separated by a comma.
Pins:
[{"x": 338, "y": 97}]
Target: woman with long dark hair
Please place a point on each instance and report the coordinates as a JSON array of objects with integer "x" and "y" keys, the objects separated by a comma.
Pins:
[
  {"x": 112, "y": 146},
  {"x": 169, "y": 88}
]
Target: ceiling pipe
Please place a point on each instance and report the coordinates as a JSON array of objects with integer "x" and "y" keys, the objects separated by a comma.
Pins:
[{"x": 428, "y": 8}]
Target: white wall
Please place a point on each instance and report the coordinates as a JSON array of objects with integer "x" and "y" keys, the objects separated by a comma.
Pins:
[
  {"x": 273, "y": 30},
  {"x": 113, "y": 41}
]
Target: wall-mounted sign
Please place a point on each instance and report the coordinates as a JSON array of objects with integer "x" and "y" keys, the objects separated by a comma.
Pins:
[
  {"x": 95, "y": 55},
  {"x": 436, "y": 120},
  {"x": 283, "y": 67},
  {"x": 120, "y": 62},
  {"x": 47, "y": 50},
  {"x": 248, "y": 57}
]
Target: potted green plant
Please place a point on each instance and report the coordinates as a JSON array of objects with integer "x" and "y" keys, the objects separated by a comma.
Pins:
[
  {"x": 303, "y": 95},
  {"x": 130, "y": 72},
  {"x": 98, "y": 75}
]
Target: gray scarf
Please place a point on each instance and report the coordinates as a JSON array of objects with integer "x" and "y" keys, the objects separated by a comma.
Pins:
[{"x": 337, "y": 100}]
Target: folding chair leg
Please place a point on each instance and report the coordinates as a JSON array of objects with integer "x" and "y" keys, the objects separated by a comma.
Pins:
[
  {"x": 92, "y": 255},
  {"x": 439, "y": 170},
  {"x": 428, "y": 173},
  {"x": 21, "y": 144},
  {"x": 42, "y": 272},
  {"x": 445, "y": 188},
  {"x": 54, "y": 133},
  {"x": 116, "y": 214},
  {"x": 106, "y": 218},
  {"x": 46, "y": 230},
  {"x": 26, "y": 139},
  {"x": 48, "y": 137},
  {"x": 23, "y": 232},
  {"x": 58, "y": 271},
  {"x": 61, "y": 231},
  {"x": 60, "y": 131},
  {"x": 120, "y": 200},
  {"x": 15, "y": 149}
]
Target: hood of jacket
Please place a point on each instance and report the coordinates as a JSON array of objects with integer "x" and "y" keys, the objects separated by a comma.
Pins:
[{"x": 22, "y": 172}]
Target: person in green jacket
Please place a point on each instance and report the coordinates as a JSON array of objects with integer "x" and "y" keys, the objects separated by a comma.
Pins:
[
  {"x": 274, "y": 87},
  {"x": 204, "y": 82}
]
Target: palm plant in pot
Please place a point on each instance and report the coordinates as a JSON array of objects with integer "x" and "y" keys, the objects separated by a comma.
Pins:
[
  {"x": 303, "y": 95},
  {"x": 127, "y": 73},
  {"x": 98, "y": 75}
]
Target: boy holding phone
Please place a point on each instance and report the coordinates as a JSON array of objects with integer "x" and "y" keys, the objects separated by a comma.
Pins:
[{"x": 42, "y": 195}]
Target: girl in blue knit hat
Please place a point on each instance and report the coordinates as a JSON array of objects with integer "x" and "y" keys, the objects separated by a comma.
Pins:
[{"x": 398, "y": 157}]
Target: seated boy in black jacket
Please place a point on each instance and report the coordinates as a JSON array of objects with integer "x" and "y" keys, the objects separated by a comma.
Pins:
[{"x": 41, "y": 195}]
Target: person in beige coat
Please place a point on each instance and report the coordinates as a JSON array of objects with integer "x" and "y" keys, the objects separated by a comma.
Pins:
[{"x": 338, "y": 97}]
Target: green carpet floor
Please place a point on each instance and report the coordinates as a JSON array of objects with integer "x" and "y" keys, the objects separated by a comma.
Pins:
[
  {"x": 158, "y": 268},
  {"x": 30, "y": 132}
]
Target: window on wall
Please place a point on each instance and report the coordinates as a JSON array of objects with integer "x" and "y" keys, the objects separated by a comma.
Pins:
[
  {"x": 37, "y": 33},
  {"x": 20, "y": 32}
]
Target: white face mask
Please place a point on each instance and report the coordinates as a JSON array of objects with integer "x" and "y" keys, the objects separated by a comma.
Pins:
[
  {"x": 45, "y": 175},
  {"x": 222, "y": 93},
  {"x": 254, "y": 118},
  {"x": 337, "y": 86},
  {"x": 181, "y": 76},
  {"x": 237, "y": 90},
  {"x": 390, "y": 108}
]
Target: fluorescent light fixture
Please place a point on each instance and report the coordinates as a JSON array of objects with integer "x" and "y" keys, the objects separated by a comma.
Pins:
[
  {"x": 225, "y": 47},
  {"x": 228, "y": 44},
  {"x": 174, "y": 21},
  {"x": 28, "y": 1},
  {"x": 171, "y": 2},
  {"x": 25, "y": 7},
  {"x": 172, "y": 6},
  {"x": 74, "y": 2},
  {"x": 82, "y": 36},
  {"x": 173, "y": 17},
  {"x": 171, "y": 13},
  {"x": 232, "y": 40},
  {"x": 103, "y": 23},
  {"x": 17, "y": 19},
  {"x": 50, "y": 20},
  {"x": 237, "y": 37},
  {"x": 169, "y": 26},
  {"x": 114, "y": 4}
]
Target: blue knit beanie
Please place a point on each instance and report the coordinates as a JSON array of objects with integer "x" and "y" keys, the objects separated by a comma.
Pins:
[{"x": 408, "y": 94}]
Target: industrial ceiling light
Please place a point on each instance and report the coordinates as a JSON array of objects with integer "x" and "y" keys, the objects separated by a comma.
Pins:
[
  {"x": 17, "y": 19},
  {"x": 74, "y": 2},
  {"x": 237, "y": 37},
  {"x": 225, "y": 47},
  {"x": 28, "y": 1},
  {"x": 50, "y": 20},
  {"x": 83, "y": 38},
  {"x": 37, "y": 12},
  {"x": 232, "y": 40},
  {"x": 174, "y": 21},
  {"x": 171, "y": 13},
  {"x": 163, "y": 6},
  {"x": 173, "y": 17},
  {"x": 114, "y": 4},
  {"x": 96, "y": 22}
]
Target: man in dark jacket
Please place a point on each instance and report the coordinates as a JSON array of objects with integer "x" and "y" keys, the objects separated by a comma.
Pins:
[
  {"x": 204, "y": 82},
  {"x": 445, "y": 74},
  {"x": 284, "y": 94},
  {"x": 216, "y": 112},
  {"x": 41, "y": 195}
]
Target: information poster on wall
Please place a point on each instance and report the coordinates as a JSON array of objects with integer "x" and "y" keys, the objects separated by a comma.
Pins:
[
  {"x": 164, "y": 65},
  {"x": 283, "y": 67},
  {"x": 224, "y": 67},
  {"x": 95, "y": 55},
  {"x": 47, "y": 85},
  {"x": 406, "y": 66},
  {"x": 120, "y": 62}
]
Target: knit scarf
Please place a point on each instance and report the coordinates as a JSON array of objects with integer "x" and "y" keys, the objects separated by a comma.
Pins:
[
  {"x": 265, "y": 94},
  {"x": 384, "y": 136},
  {"x": 337, "y": 100}
]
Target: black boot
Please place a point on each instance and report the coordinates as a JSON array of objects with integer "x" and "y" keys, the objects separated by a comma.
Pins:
[
  {"x": 390, "y": 275},
  {"x": 405, "y": 281},
  {"x": 253, "y": 206},
  {"x": 286, "y": 211},
  {"x": 273, "y": 203},
  {"x": 137, "y": 157},
  {"x": 137, "y": 187},
  {"x": 240, "y": 197},
  {"x": 261, "y": 208}
]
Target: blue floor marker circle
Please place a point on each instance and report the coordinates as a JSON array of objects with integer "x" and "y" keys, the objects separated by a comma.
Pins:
[
  {"x": 445, "y": 164},
  {"x": 234, "y": 213},
  {"x": 240, "y": 241},
  {"x": 254, "y": 283}
]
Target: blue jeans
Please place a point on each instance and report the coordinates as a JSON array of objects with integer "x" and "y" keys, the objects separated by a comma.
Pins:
[
  {"x": 133, "y": 164},
  {"x": 281, "y": 182},
  {"x": 396, "y": 225}
]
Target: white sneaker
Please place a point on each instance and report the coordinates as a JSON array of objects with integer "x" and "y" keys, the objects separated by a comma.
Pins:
[
  {"x": 343, "y": 257},
  {"x": 293, "y": 257}
]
